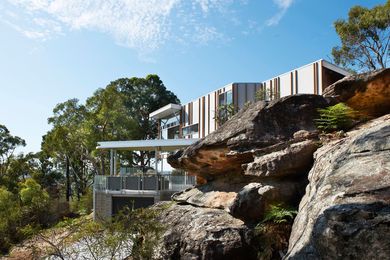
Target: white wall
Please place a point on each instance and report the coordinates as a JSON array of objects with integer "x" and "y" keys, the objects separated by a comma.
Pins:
[
  {"x": 285, "y": 85},
  {"x": 212, "y": 112},
  {"x": 306, "y": 80},
  {"x": 195, "y": 112}
]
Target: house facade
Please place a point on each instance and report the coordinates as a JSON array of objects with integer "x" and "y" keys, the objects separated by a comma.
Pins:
[
  {"x": 182, "y": 125},
  {"x": 199, "y": 117}
]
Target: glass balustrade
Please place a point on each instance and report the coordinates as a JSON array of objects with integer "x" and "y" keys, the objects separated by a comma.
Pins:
[{"x": 144, "y": 183}]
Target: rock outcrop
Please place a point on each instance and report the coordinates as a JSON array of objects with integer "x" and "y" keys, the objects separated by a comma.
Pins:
[
  {"x": 260, "y": 129},
  {"x": 259, "y": 157},
  {"x": 368, "y": 93},
  {"x": 204, "y": 233},
  {"x": 345, "y": 212},
  {"x": 262, "y": 157}
]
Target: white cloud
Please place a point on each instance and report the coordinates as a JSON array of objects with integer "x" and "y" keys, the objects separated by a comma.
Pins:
[
  {"x": 283, "y": 6},
  {"x": 143, "y": 25}
]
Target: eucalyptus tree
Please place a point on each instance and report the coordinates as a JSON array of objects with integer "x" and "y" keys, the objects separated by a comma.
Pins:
[
  {"x": 365, "y": 38},
  {"x": 8, "y": 144},
  {"x": 108, "y": 120},
  {"x": 141, "y": 97},
  {"x": 64, "y": 142}
]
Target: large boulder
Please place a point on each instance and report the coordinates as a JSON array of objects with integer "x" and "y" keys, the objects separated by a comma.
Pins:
[
  {"x": 262, "y": 126},
  {"x": 242, "y": 198},
  {"x": 284, "y": 162},
  {"x": 345, "y": 213},
  {"x": 258, "y": 158},
  {"x": 203, "y": 233},
  {"x": 368, "y": 93}
]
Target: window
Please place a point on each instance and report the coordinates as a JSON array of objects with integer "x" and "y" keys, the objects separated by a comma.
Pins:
[
  {"x": 229, "y": 97},
  {"x": 188, "y": 130},
  {"x": 225, "y": 98},
  {"x": 170, "y": 122},
  {"x": 173, "y": 132}
]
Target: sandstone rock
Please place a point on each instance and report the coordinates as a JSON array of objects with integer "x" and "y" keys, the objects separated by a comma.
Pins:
[
  {"x": 368, "y": 93},
  {"x": 219, "y": 193},
  {"x": 294, "y": 159},
  {"x": 203, "y": 233},
  {"x": 260, "y": 126},
  {"x": 345, "y": 212},
  {"x": 255, "y": 199},
  {"x": 244, "y": 200}
]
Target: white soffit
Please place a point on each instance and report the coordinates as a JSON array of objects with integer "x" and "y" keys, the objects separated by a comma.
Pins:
[
  {"x": 147, "y": 145},
  {"x": 165, "y": 111},
  {"x": 336, "y": 68}
]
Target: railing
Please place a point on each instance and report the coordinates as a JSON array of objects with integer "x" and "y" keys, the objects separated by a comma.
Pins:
[{"x": 144, "y": 183}]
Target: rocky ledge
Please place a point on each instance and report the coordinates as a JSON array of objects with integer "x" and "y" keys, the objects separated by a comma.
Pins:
[
  {"x": 345, "y": 212},
  {"x": 266, "y": 155}
]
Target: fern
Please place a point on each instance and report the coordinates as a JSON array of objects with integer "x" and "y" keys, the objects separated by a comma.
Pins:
[
  {"x": 337, "y": 117},
  {"x": 279, "y": 214}
]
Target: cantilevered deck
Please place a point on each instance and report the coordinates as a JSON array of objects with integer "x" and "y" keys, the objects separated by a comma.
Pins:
[{"x": 112, "y": 193}]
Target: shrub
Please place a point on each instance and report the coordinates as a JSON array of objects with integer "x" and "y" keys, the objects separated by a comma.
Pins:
[
  {"x": 224, "y": 113},
  {"x": 273, "y": 232},
  {"x": 10, "y": 217},
  {"x": 84, "y": 205},
  {"x": 337, "y": 117},
  {"x": 279, "y": 214},
  {"x": 265, "y": 94},
  {"x": 132, "y": 234}
]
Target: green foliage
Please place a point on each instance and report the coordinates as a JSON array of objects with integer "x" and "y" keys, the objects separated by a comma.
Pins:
[
  {"x": 337, "y": 117},
  {"x": 8, "y": 144},
  {"x": 132, "y": 234},
  {"x": 273, "y": 232},
  {"x": 224, "y": 113},
  {"x": 265, "y": 94},
  {"x": 10, "y": 217},
  {"x": 22, "y": 214},
  {"x": 83, "y": 206},
  {"x": 279, "y": 214},
  {"x": 145, "y": 227},
  {"x": 365, "y": 38},
  {"x": 32, "y": 195}
]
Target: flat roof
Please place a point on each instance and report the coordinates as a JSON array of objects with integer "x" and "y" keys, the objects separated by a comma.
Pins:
[
  {"x": 165, "y": 111},
  {"x": 147, "y": 145}
]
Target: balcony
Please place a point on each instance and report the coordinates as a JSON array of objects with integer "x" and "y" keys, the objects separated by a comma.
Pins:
[{"x": 143, "y": 184}]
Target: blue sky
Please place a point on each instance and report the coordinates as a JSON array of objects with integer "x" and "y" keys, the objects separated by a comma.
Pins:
[{"x": 54, "y": 50}]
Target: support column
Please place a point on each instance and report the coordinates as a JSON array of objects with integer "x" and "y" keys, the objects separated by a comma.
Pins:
[
  {"x": 156, "y": 166},
  {"x": 111, "y": 162},
  {"x": 115, "y": 161}
]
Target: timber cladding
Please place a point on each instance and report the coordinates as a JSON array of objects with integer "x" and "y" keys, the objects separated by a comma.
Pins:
[
  {"x": 199, "y": 116},
  {"x": 316, "y": 81},
  {"x": 215, "y": 109},
  {"x": 208, "y": 114},
  {"x": 203, "y": 116}
]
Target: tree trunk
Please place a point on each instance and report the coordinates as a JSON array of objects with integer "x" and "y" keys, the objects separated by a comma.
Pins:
[{"x": 67, "y": 174}]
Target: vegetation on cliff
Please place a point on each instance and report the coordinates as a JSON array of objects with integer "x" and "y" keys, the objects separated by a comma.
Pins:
[{"x": 39, "y": 189}]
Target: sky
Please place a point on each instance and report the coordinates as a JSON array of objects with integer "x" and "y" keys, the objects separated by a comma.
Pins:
[{"x": 55, "y": 50}]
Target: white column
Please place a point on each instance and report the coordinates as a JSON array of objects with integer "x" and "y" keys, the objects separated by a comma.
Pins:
[
  {"x": 115, "y": 159},
  {"x": 111, "y": 162},
  {"x": 155, "y": 162}
]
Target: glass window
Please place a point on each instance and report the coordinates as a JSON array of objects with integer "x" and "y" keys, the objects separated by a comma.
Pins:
[
  {"x": 188, "y": 130},
  {"x": 170, "y": 122},
  {"x": 221, "y": 99},
  {"x": 229, "y": 97},
  {"x": 225, "y": 98}
]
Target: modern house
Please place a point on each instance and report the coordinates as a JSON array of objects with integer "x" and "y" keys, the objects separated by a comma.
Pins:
[
  {"x": 198, "y": 118},
  {"x": 182, "y": 125}
]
